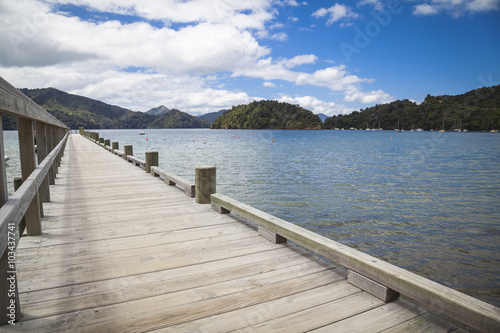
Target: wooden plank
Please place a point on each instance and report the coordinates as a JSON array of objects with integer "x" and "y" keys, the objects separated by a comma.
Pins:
[
  {"x": 466, "y": 309},
  {"x": 423, "y": 323},
  {"x": 267, "y": 311},
  {"x": 376, "y": 320},
  {"x": 178, "y": 307},
  {"x": 143, "y": 286}
]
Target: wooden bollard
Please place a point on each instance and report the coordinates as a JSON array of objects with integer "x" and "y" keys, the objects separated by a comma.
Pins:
[
  {"x": 127, "y": 150},
  {"x": 82, "y": 130},
  {"x": 205, "y": 183},
  {"x": 151, "y": 160},
  {"x": 114, "y": 145},
  {"x": 101, "y": 140},
  {"x": 107, "y": 142},
  {"x": 96, "y": 137}
]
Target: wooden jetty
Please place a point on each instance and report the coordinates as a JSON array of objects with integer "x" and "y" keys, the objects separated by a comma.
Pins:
[{"x": 121, "y": 251}]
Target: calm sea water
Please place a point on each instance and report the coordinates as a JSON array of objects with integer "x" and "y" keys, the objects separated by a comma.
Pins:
[{"x": 425, "y": 201}]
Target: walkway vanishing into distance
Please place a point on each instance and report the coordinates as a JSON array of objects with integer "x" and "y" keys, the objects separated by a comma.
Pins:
[{"x": 121, "y": 251}]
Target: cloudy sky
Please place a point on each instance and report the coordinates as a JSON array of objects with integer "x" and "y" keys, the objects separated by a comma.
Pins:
[{"x": 205, "y": 55}]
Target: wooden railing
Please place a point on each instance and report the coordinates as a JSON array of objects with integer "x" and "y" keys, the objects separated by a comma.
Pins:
[
  {"x": 371, "y": 274},
  {"x": 51, "y": 136}
]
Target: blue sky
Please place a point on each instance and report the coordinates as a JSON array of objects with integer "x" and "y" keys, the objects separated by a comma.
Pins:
[{"x": 201, "y": 56}]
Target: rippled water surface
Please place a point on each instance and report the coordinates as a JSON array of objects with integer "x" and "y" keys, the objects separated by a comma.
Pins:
[{"x": 425, "y": 201}]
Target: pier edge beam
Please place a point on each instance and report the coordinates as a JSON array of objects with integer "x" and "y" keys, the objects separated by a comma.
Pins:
[
  {"x": 376, "y": 289},
  {"x": 205, "y": 183}
]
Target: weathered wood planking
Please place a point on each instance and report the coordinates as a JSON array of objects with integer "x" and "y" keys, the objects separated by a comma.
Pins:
[{"x": 122, "y": 252}]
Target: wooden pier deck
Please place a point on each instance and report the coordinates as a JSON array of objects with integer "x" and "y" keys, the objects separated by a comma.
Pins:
[{"x": 122, "y": 252}]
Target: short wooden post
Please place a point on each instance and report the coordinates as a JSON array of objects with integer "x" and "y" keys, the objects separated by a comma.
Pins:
[
  {"x": 107, "y": 143},
  {"x": 128, "y": 150},
  {"x": 151, "y": 160},
  {"x": 96, "y": 135},
  {"x": 114, "y": 145},
  {"x": 81, "y": 130},
  {"x": 41, "y": 143},
  {"x": 205, "y": 183},
  {"x": 28, "y": 165},
  {"x": 101, "y": 141}
]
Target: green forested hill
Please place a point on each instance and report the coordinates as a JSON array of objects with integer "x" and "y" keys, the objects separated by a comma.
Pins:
[
  {"x": 267, "y": 115},
  {"x": 178, "y": 119},
  {"x": 78, "y": 111},
  {"x": 476, "y": 110}
]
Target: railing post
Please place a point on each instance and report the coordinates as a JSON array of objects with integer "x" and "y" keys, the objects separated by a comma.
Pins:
[
  {"x": 50, "y": 146},
  {"x": 28, "y": 165},
  {"x": 151, "y": 160},
  {"x": 81, "y": 129},
  {"x": 107, "y": 143},
  {"x": 128, "y": 150},
  {"x": 114, "y": 145},
  {"x": 205, "y": 183},
  {"x": 54, "y": 144},
  {"x": 42, "y": 152},
  {"x": 9, "y": 295}
]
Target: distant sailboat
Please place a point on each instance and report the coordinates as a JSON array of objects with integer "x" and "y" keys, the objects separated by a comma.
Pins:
[
  {"x": 442, "y": 129},
  {"x": 397, "y": 129}
]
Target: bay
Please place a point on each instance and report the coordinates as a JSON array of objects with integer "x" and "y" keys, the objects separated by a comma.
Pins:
[{"x": 425, "y": 201}]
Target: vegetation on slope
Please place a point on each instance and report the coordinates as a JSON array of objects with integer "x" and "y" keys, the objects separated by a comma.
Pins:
[
  {"x": 476, "y": 110},
  {"x": 267, "y": 115}
]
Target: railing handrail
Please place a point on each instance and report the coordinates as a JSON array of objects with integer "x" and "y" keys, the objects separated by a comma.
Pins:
[
  {"x": 466, "y": 309},
  {"x": 15, "y": 208},
  {"x": 14, "y": 102}
]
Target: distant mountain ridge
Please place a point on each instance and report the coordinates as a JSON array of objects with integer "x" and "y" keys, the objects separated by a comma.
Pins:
[
  {"x": 476, "y": 110},
  {"x": 212, "y": 116},
  {"x": 78, "y": 111},
  {"x": 177, "y": 119},
  {"x": 158, "y": 111}
]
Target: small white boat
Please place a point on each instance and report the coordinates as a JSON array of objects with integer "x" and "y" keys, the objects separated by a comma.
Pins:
[
  {"x": 142, "y": 132},
  {"x": 6, "y": 158}
]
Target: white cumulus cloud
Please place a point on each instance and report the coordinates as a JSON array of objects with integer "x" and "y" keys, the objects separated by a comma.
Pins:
[{"x": 335, "y": 13}]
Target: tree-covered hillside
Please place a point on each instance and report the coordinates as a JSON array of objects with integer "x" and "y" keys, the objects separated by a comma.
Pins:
[
  {"x": 267, "y": 115},
  {"x": 477, "y": 110},
  {"x": 76, "y": 111}
]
